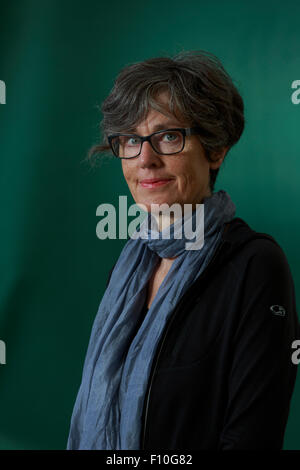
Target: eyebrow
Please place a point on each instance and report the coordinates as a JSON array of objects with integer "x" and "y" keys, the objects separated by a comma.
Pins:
[{"x": 162, "y": 126}]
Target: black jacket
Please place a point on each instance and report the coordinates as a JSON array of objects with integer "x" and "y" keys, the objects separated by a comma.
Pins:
[{"x": 222, "y": 376}]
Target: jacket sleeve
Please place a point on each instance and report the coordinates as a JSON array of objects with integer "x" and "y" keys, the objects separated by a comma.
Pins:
[{"x": 262, "y": 374}]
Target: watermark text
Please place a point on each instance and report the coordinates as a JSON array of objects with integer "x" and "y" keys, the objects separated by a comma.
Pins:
[
  {"x": 158, "y": 225},
  {"x": 2, "y": 352},
  {"x": 296, "y": 354},
  {"x": 2, "y": 92},
  {"x": 295, "y": 97}
]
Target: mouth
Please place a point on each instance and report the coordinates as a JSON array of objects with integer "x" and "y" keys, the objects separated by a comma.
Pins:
[{"x": 155, "y": 182}]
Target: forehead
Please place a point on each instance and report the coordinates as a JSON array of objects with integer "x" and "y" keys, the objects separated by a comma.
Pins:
[
  {"x": 157, "y": 121},
  {"x": 160, "y": 116}
]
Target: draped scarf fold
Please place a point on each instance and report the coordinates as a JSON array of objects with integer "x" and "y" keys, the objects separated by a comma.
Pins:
[{"x": 108, "y": 409}]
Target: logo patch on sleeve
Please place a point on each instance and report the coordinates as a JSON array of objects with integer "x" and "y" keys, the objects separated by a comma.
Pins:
[{"x": 278, "y": 310}]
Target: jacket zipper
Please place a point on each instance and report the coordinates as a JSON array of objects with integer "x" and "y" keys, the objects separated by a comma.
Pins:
[{"x": 153, "y": 369}]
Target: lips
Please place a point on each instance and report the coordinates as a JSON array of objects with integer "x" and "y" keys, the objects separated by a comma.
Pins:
[{"x": 154, "y": 182}]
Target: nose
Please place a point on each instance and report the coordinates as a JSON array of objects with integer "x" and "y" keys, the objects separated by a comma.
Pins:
[{"x": 148, "y": 156}]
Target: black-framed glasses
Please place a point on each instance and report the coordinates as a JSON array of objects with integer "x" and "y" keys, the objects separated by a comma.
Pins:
[{"x": 165, "y": 142}]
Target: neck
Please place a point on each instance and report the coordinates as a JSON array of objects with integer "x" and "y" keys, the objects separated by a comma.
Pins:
[{"x": 164, "y": 221}]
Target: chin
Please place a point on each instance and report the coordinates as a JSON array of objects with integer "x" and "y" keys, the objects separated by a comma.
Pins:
[{"x": 148, "y": 204}]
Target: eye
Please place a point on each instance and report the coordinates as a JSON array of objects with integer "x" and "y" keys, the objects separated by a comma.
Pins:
[
  {"x": 128, "y": 141},
  {"x": 132, "y": 141},
  {"x": 170, "y": 136}
]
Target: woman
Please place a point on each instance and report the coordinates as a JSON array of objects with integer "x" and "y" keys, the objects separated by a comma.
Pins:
[{"x": 191, "y": 348}]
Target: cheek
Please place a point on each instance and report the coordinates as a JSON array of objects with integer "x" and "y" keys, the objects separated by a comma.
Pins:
[
  {"x": 195, "y": 177},
  {"x": 130, "y": 175},
  {"x": 190, "y": 174},
  {"x": 126, "y": 171}
]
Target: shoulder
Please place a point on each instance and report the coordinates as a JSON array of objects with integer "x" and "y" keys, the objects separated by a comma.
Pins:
[
  {"x": 257, "y": 253},
  {"x": 263, "y": 280}
]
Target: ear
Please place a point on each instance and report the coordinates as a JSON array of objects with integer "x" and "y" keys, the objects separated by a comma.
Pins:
[{"x": 218, "y": 158}]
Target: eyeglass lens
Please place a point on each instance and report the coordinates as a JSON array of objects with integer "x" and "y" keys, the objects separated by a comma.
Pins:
[{"x": 164, "y": 143}]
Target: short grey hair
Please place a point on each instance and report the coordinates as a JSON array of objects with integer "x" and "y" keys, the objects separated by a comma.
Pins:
[{"x": 201, "y": 92}]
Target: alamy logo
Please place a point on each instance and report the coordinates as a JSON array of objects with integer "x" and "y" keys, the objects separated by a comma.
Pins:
[
  {"x": 295, "y": 356},
  {"x": 181, "y": 218},
  {"x": 278, "y": 310},
  {"x": 2, "y": 352},
  {"x": 295, "y": 97},
  {"x": 2, "y": 92}
]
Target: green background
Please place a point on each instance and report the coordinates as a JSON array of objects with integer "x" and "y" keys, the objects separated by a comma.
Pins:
[{"x": 58, "y": 60}]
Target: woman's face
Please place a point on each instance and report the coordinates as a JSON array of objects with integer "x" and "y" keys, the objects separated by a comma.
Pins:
[{"x": 185, "y": 175}]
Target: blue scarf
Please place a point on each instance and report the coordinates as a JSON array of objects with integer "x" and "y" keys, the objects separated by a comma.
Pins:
[{"x": 107, "y": 413}]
